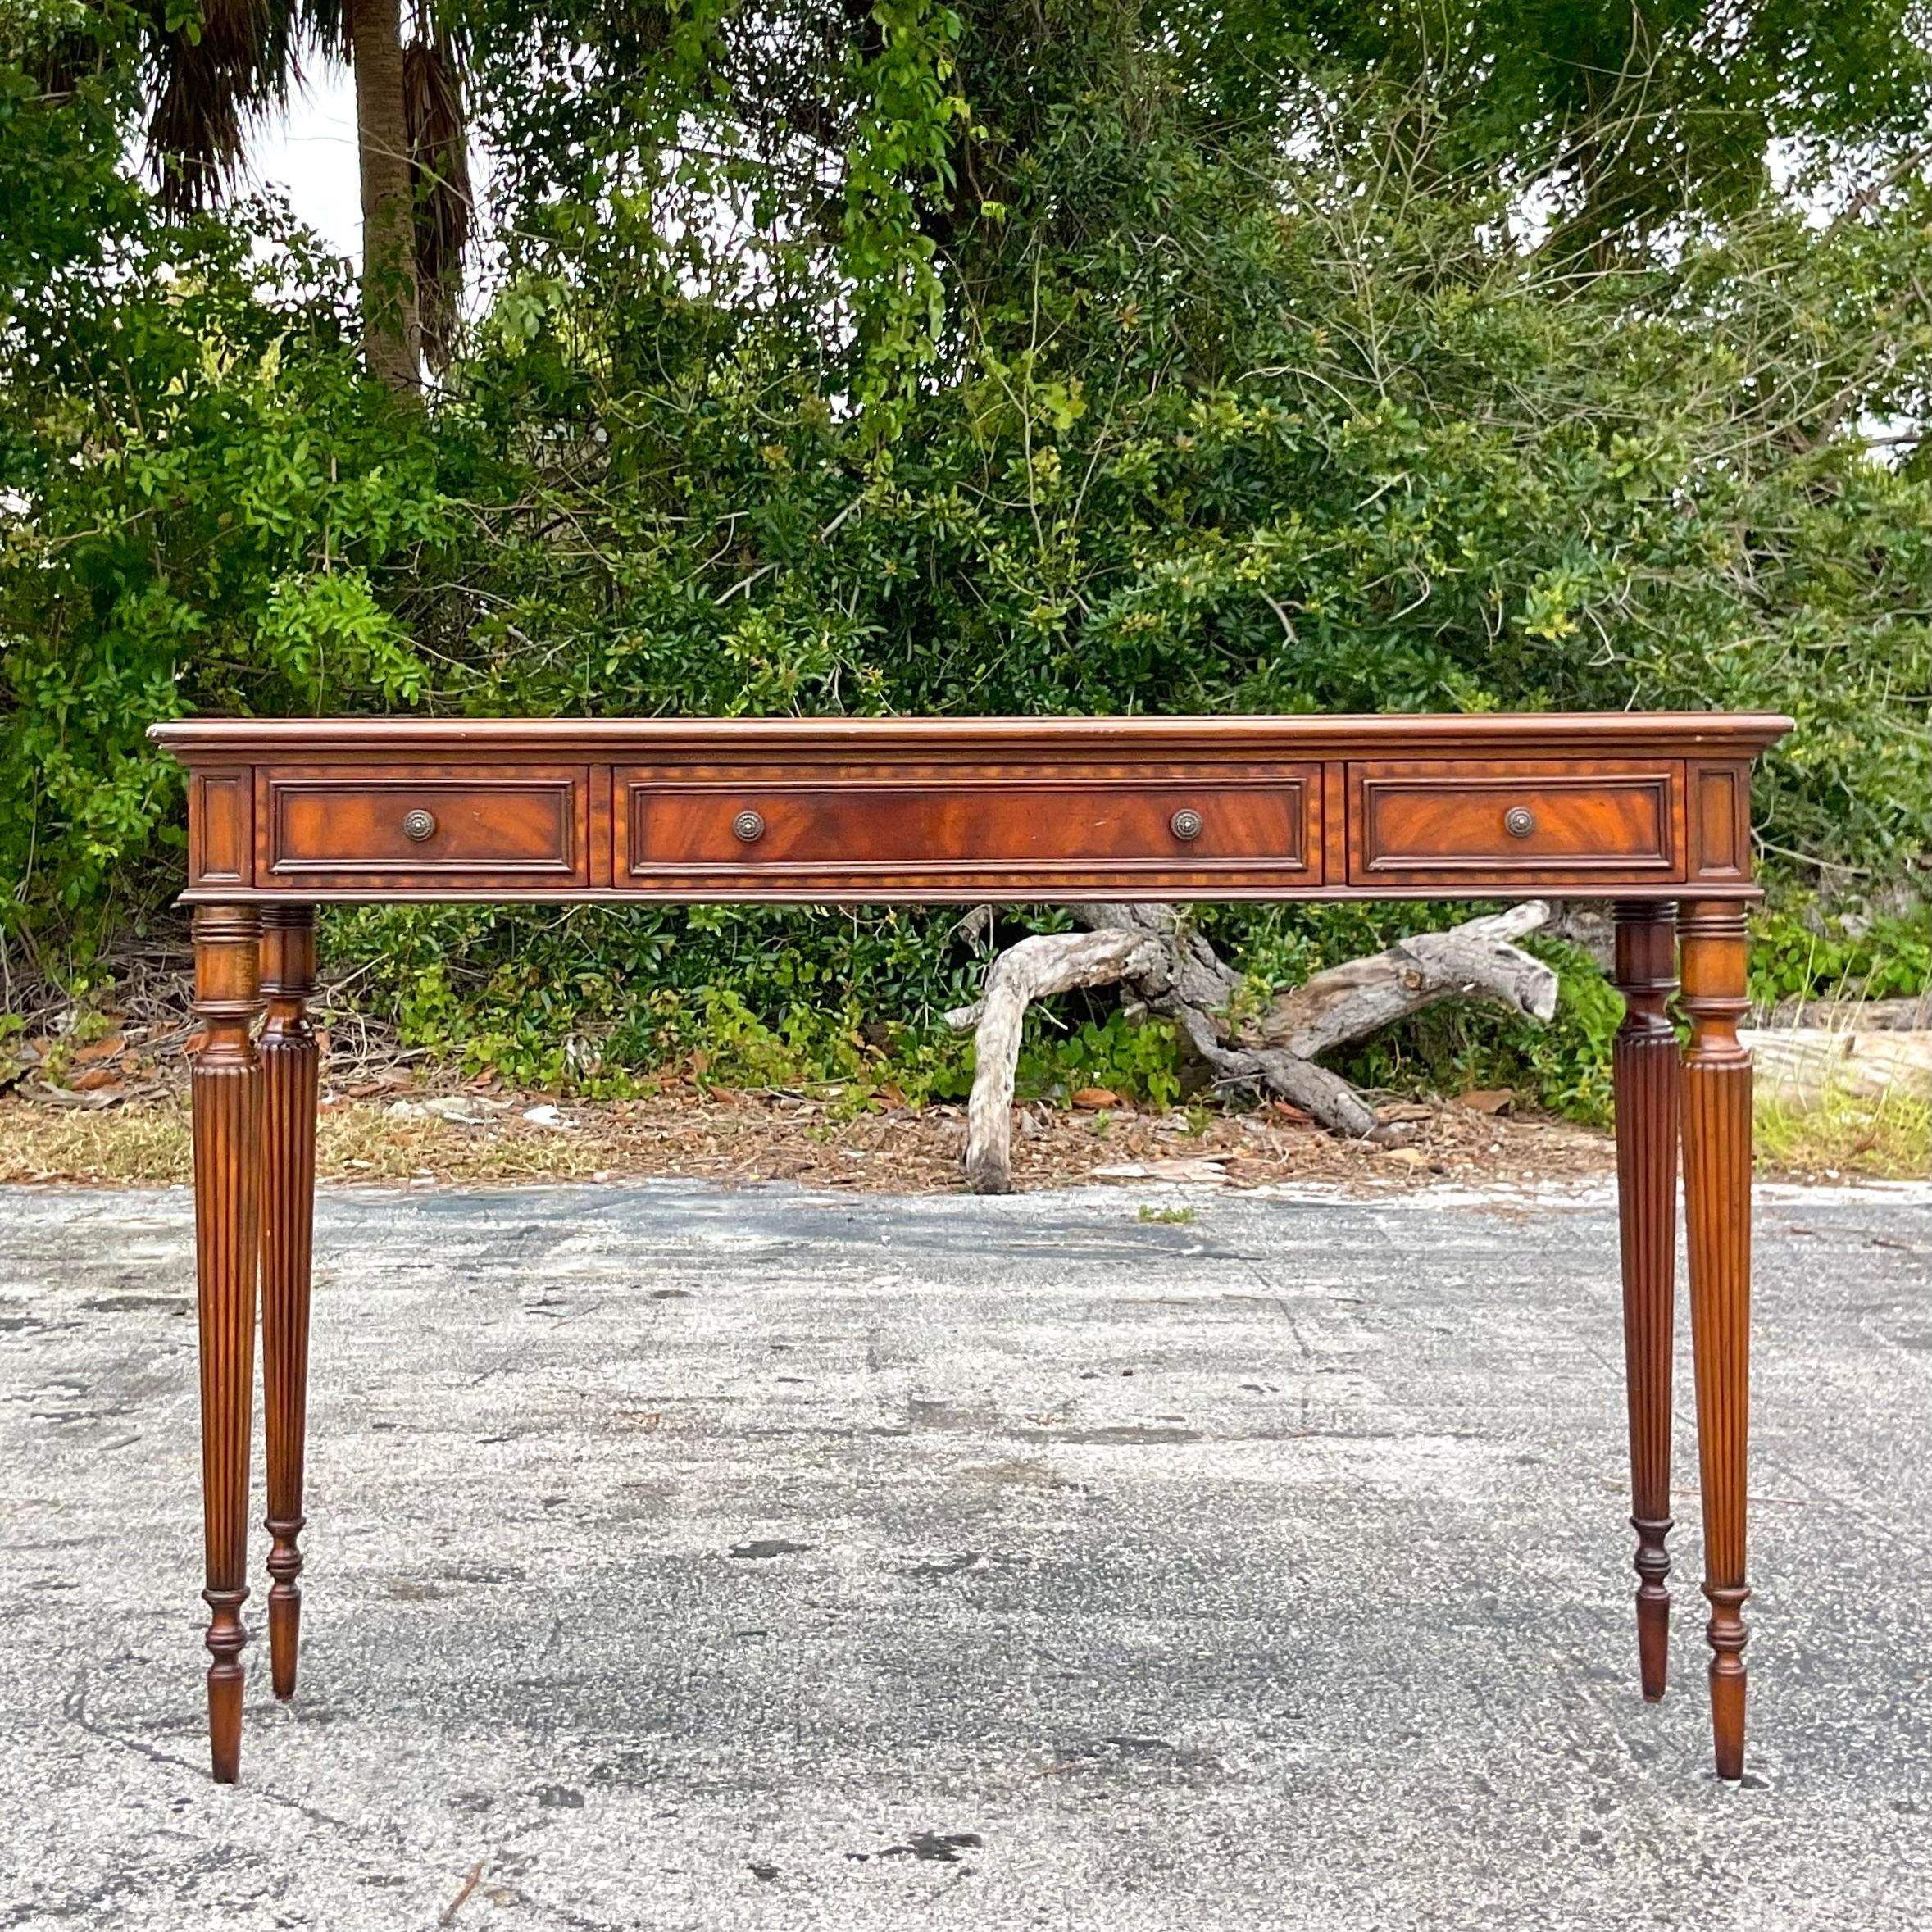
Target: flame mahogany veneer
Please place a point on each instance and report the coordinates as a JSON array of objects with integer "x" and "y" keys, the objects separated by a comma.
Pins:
[
  {"x": 889, "y": 809},
  {"x": 1649, "y": 810}
]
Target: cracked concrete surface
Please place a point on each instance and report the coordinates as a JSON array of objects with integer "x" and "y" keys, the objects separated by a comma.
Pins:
[{"x": 681, "y": 1558}]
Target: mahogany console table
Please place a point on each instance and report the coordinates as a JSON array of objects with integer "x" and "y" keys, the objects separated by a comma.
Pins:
[{"x": 1649, "y": 810}]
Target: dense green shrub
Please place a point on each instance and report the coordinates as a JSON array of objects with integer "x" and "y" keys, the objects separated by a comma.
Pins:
[
  {"x": 1147, "y": 407},
  {"x": 204, "y": 505}
]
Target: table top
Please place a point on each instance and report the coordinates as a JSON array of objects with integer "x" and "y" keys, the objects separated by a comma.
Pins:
[{"x": 1329, "y": 734}]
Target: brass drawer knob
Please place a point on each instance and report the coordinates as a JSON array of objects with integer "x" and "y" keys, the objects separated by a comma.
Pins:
[
  {"x": 749, "y": 826},
  {"x": 1519, "y": 821},
  {"x": 1185, "y": 824},
  {"x": 419, "y": 824}
]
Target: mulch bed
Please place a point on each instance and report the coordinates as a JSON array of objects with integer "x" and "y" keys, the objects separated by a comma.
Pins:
[{"x": 408, "y": 1131}]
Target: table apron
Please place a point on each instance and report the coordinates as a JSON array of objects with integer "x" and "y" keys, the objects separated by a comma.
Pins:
[{"x": 702, "y": 830}]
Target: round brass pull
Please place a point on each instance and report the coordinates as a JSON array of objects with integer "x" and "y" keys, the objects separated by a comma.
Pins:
[
  {"x": 419, "y": 824},
  {"x": 1519, "y": 821},
  {"x": 1185, "y": 824},
  {"x": 749, "y": 826}
]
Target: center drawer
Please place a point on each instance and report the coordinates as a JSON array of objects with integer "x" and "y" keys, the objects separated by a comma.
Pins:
[{"x": 931, "y": 832}]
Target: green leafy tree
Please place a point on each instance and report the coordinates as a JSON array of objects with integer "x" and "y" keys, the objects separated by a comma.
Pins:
[{"x": 203, "y": 504}]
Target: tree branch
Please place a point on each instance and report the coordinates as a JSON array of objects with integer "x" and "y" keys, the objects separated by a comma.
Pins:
[{"x": 1171, "y": 969}]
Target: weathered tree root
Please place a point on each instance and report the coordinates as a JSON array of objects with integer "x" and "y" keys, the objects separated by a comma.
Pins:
[{"x": 1171, "y": 969}]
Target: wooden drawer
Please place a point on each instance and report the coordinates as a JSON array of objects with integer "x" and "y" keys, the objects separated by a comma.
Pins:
[
  {"x": 929, "y": 831},
  {"x": 516, "y": 827},
  {"x": 1450, "y": 821}
]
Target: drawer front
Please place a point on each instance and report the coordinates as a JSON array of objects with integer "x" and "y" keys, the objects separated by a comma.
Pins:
[
  {"x": 932, "y": 832},
  {"x": 1451, "y": 821},
  {"x": 439, "y": 828}
]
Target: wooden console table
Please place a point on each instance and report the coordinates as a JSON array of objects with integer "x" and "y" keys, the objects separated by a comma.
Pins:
[{"x": 1645, "y": 809}]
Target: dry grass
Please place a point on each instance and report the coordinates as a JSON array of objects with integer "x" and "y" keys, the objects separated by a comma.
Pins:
[
  {"x": 129, "y": 1146},
  {"x": 1846, "y": 1135},
  {"x": 149, "y": 1146}
]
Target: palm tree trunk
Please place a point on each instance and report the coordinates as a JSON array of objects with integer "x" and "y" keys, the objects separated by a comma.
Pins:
[{"x": 391, "y": 328}]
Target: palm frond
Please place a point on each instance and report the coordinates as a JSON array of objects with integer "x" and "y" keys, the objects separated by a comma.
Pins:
[{"x": 209, "y": 77}]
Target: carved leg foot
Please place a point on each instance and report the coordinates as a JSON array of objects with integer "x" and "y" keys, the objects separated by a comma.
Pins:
[
  {"x": 1717, "y": 1213},
  {"x": 1644, "y": 1069},
  {"x": 227, "y": 1099},
  {"x": 289, "y": 1071}
]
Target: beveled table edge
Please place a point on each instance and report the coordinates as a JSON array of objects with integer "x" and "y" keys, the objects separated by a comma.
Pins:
[{"x": 1381, "y": 734}]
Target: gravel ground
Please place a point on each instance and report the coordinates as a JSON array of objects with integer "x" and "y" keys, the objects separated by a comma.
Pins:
[{"x": 687, "y": 1558}]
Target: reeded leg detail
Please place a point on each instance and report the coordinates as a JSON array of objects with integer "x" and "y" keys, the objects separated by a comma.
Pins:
[
  {"x": 288, "y": 1058},
  {"x": 1717, "y": 1214},
  {"x": 227, "y": 1097},
  {"x": 1644, "y": 1069}
]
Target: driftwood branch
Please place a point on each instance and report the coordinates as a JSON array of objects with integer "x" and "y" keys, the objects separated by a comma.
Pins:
[
  {"x": 1171, "y": 969},
  {"x": 1475, "y": 960},
  {"x": 1049, "y": 962}
]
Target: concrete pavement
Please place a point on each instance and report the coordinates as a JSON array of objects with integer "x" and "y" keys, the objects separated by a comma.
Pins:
[{"x": 680, "y": 1558}]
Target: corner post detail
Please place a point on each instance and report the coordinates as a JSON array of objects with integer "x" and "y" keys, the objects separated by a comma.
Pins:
[
  {"x": 226, "y": 1087},
  {"x": 1717, "y": 1217}
]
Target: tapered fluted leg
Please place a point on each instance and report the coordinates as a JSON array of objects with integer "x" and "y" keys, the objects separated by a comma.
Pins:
[
  {"x": 1644, "y": 1069},
  {"x": 289, "y": 1062},
  {"x": 1717, "y": 1215},
  {"x": 227, "y": 1094}
]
